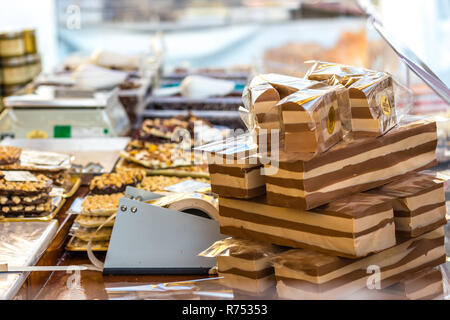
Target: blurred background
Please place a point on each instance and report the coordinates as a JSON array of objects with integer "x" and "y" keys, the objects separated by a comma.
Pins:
[{"x": 276, "y": 34}]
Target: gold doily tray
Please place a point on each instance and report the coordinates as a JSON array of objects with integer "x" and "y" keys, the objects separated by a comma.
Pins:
[
  {"x": 57, "y": 204},
  {"x": 76, "y": 183},
  {"x": 77, "y": 245}
]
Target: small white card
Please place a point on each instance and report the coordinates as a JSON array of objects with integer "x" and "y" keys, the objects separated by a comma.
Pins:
[
  {"x": 19, "y": 176},
  {"x": 188, "y": 186}
]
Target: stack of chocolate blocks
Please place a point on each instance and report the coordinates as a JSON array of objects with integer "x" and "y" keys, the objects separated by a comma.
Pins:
[{"x": 356, "y": 216}]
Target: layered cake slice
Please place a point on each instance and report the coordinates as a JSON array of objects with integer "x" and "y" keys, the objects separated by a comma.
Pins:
[
  {"x": 351, "y": 227},
  {"x": 245, "y": 265},
  {"x": 23, "y": 194},
  {"x": 306, "y": 274},
  {"x": 350, "y": 166},
  {"x": 419, "y": 203},
  {"x": 234, "y": 168}
]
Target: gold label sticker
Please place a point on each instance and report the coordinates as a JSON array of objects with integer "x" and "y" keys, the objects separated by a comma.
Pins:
[
  {"x": 37, "y": 134},
  {"x": 385, "y": 105},
  {"x": 331, "y": 120}
]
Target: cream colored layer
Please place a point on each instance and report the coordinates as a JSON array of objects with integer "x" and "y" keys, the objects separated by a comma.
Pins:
[
  {"x": 252, "y": 180},
  {"x": 246, "y": 284},
  {"x": 308, "y": 217},
  {"x": 432, "y": 197},
  {"x": 378, "y": 152},
  {"x": 404, "y": 144},
  {"x": 431, "y": 289},
  {"x": 398, "y": 169},
  {"x": 270, "y": 125},
  {"x": 287, "y": 292},
  {"x": 367, "y": 125},
  {"x": 385, "y": 258},
  {"x": 230, "y": 162},
  {"x": 378, "y": 240},
  {"x": 359, "y": 103},
  {"x": 424, "y": 219},
  {"x": 375, "y": 241},
  {"x": 296, "y": 117},
  {"x": 228, "y": 262},
  {"x": 265, "y": 107},
  {"x": 291, "y": 192}
]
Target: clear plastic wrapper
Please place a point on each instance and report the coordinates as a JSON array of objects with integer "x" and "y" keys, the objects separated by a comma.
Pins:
[
  {"x": 234, "y": 167},
  {"x": 237, "y": 247},
  {"x": 310, "y": 120},
  {"x": 244, "y": 264},
  {"x": 21, "y": 244},
  {"x": 299, "y": 129},
  {"x": 371, "y": 93}
]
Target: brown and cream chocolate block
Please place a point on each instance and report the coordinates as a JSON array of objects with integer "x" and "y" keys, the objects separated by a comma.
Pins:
[
  {"x": 245, "y": 265},
  {"x": 419, "y": 203},
  {"x": 235, "y": 168},
  {"x": 350, "y": 166},
  {"x": 351, "y": 227},
  {"x": 307, "y": 274},
  {"x": 310, "y": 120},
  {"x": 426, "y": 284},
  {"x": 372, "y": 104},
  {"x": 371, "y": 95},
  {"x": 263, "y": 94}
]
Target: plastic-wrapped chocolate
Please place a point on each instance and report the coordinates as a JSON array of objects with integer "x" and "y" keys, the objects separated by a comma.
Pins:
[
  {"x": 310, "y": 120},
  {"x": 371, "y": 95},
  {"x": 234, "y": 167},
  {"x": 244, "y": 264}
]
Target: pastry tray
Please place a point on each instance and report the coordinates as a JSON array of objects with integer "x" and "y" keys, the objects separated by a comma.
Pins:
[
  {"x": 177, "y": 172},
  {"x": 57, "y": 203}
]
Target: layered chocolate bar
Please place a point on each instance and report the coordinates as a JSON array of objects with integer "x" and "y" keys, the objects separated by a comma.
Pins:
[
  {"x": 350, "y": 166},
  {"x": 109, "y": 183},
  {"x": 351, "y": 227},
  {"x": 234, "y": 168},
  {"x": 244, "y": 264},
  {"x": 310, "y": 121},
  {"x": 305, "y": 274},
  {"x": 24, "y": 200},
  {"x": 25, "y": 188},
  {"x": 26, "y": 210},
  {"x": 371, "y": 95},
  {"x": 419, "y": 203}
]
